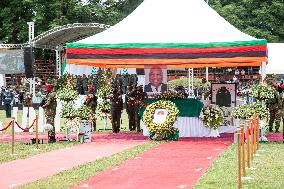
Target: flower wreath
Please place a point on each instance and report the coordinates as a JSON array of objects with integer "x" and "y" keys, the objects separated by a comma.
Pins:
[
  {"x": 212, "y": 116},
  {"x": 161, "y": 131}
]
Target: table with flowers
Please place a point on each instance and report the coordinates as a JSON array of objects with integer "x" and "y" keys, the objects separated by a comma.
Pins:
[{"x": 188, "y": 121}]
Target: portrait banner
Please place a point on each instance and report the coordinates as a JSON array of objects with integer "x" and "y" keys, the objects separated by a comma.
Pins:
[
  {"x": 155, "y": 79},
  {"x": 223, "y": 94}
]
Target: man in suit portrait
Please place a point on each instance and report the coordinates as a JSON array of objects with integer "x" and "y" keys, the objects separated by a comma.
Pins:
[{"x": 155, "y": 81}]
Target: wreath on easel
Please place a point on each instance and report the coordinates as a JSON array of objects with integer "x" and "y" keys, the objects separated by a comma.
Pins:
[{"x": 164, "y": 130}]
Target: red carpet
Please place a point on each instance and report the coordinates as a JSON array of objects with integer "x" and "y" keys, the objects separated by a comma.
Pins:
[
  {"x": 40, "y": 166},
  {"x": 170, "y": 165},
  {"x": 274, "y": 137}
]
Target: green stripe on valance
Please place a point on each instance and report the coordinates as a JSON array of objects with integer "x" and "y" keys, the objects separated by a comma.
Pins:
[{"x": 170, "y": 45}]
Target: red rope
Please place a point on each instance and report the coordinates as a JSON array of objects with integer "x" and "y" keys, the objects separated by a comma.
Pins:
[
  {"x": 25, "y": 129},
  {"x": 10, "y": 123}
]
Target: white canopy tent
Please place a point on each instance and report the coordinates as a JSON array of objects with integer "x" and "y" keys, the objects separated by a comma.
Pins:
[
  {"x": 275, "y": 58},
  {"x": 165, "y": 22},
  {"x": 170, "y": 21}
]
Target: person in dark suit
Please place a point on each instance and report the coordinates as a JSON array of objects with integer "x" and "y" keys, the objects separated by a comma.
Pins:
[
  {"x": 130, "y": 101},
  {"x": 155, "y": 81}
]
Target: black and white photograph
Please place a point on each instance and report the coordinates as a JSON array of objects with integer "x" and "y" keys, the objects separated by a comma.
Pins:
[{"x": 223, "y": 94}]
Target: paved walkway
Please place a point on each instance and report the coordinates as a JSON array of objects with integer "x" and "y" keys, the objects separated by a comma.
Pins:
[
  {"x": 170, "y": 165},
  {"x": 24, "y": 171}
]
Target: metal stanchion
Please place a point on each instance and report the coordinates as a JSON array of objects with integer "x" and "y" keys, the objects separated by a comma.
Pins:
[
  {"x": 257, "y": 133},
  {"x": 243, "y": 149},
  {"x": 37, "y": 131},
  {"x": 239, "y": 159},
  {"x": 13, "y": 134},
  {"x": 254, "y": 135},
  {"x": 248, "y": 144},
  {"x": 251, "y": 139}
]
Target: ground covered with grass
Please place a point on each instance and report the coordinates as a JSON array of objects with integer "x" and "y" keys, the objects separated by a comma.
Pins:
[
  {"x": 74, "y": 176},
  {"x": 267, "y": 172},
  {"x": 101, "y": 122},
  {"x": 22, "y": 150}
]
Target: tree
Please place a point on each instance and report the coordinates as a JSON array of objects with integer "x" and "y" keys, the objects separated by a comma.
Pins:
[
  {"x": 261, "y": 19},
  {"x": 14, "y": 16}
]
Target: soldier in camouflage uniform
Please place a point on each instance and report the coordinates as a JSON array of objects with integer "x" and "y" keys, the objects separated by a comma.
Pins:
[
  {"x": 116, "y": 110},
  {"x": 49, "y": 107},
  {"x": 274, "y": 105},
  {"x": 282, "y": 107}
]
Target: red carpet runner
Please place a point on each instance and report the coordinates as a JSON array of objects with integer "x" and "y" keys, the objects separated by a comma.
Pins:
[
  {"x": 169, "y": 165},
  {"x": 274, "y": 137}
]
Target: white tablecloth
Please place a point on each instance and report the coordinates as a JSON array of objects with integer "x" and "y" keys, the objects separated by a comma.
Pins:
[{"x": 193, "y": 127}]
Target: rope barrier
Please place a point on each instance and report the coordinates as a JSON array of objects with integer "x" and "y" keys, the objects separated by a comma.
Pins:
[
  {"x": 5, "y": 128},
  {"x": 252, "y": 143},
  {"x": 25, "y": 129}
]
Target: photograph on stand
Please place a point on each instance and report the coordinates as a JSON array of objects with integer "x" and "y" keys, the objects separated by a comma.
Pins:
[{"x": 155, "y": 79}]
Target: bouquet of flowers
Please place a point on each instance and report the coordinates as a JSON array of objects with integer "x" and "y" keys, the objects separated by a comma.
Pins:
[
  {"x": 261, "y": 111},
  {"x": 143, "y": 104},
  {"x": 262, "y": 91},
  {"x": 170, "y": 95},
  {"x": 85, "y": 112},
  {"x": 246, "y": 111},
  {"x": 67, "y": 93},
  {"x": 242, "y": 112},
  {"x": 68, "y": 111},
  {"x": 212, "y": 116},
  {"x": 103, "y": 99}
]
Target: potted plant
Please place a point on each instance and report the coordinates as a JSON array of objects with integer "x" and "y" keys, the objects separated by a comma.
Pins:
[
  {"x": 67, "y": 94},
  {"x": 85, "y": 114}
]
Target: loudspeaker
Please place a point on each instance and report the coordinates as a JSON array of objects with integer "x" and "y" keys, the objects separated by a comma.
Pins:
[
  {"x": 29, "y": 62},
  {"x": 140, "y": 71}
]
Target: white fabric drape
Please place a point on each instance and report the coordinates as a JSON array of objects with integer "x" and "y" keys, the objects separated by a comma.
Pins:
[{"x": 193, "y": 127}]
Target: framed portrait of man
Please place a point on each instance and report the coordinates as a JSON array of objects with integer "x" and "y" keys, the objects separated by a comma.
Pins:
[
  {"x": 223, "y": 94},
  {"x": 155, "y": 79}
]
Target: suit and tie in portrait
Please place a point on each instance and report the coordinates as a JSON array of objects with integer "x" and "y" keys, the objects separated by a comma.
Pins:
[{"x": 155, "y": 80}]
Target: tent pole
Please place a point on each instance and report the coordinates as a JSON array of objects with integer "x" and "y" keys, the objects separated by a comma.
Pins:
[
  {"x": 207, "y": 75},
  {"x": 263, "y": 71},
  {"x": 190, "y": 83},
  {"x": 31, "y": 37},
  {"x": 58, "y": 60}
]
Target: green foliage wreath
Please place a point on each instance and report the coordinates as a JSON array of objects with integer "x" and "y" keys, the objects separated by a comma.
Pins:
[{"x": 165, "y": 130}]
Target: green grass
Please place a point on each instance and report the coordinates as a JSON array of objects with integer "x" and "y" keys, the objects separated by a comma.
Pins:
[
  {"x": 74, "y": 176},
  {"x": 100, "y": 122},
  {"x": 23, "y": 151},
  {"x": 268, "y": 173}
]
